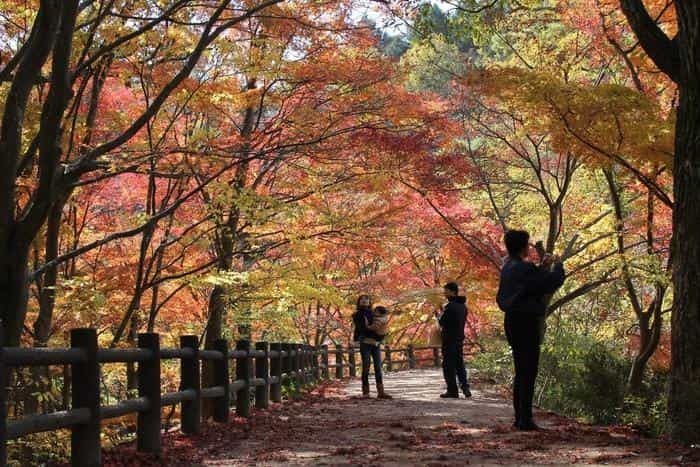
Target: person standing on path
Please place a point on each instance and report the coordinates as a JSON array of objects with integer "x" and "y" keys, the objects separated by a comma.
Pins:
[
  {"x": 452, "y": 321},
  {"x": 370, "y": 343},
  {"x": 521, "y": 293}
]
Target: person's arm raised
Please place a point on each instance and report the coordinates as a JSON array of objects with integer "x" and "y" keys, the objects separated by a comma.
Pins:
[{"x": 544, "y": 282}]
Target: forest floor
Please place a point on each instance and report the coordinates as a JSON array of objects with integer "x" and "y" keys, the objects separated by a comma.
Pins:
[{"x": 332, "y": 426}]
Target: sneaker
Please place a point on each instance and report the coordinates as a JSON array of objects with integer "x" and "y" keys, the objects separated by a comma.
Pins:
[{"x": 449, "y": 395}]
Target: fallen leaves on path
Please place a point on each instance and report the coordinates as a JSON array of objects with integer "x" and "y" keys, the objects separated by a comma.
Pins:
[{"x": 329, "y": 427}]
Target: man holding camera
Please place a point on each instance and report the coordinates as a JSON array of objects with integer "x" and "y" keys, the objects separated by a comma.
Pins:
[{"x": 521, "y": 295}]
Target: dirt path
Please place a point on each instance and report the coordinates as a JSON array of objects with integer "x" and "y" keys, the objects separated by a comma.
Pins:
[{"x": 332, "y": 426}]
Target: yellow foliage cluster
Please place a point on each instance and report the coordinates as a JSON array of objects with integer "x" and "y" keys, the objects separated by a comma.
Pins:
[{"x": 600, "y": 124}]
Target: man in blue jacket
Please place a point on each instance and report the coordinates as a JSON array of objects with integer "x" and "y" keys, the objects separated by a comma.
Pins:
[
  {"x": 521, "y": 293},
  {"x": 452, "y": 321}
]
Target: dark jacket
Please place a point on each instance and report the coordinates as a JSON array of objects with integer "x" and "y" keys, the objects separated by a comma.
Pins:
[
  {"x": 360, "y": 319},
  {"x": 524, "y": 285},
  {"x": 453, "y": 319}
]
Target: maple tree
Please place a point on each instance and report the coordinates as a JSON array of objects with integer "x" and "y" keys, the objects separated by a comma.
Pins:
[
  {"x": 599, "y": 122},
  {"x": 577, "y": 122},
  {"x": 661, "y": 147},
  {"x": 562, "y": 87},
  {"x": 245, "y": 169},
  {"x": 42, "y": 167},
  {"x": 517, "y": 132}
]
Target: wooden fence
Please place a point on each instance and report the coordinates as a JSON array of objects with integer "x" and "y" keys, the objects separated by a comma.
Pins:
[{"x": 244, "y": 374}]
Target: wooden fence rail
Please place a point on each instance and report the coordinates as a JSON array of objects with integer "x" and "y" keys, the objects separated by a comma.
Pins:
[{"x": 260, "y": 372}]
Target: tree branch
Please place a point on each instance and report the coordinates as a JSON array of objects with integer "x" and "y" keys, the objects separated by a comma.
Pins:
[{"x": 660, "y": 48}]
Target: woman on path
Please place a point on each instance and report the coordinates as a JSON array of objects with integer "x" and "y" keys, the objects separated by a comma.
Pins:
[{"x": 370, "y": 343}]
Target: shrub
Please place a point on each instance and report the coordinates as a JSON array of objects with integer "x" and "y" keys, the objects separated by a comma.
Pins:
[{"x": 584, "y": 378}]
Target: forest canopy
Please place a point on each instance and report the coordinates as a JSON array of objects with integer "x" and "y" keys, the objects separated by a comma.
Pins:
[{"x": 246, "y": 169}]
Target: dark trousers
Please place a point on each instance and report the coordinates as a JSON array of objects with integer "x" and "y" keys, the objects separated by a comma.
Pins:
[
  {"x": 371, "y": 352},
  {"x": 523, "y": 335},
  {"x": 453, "y": 365}
]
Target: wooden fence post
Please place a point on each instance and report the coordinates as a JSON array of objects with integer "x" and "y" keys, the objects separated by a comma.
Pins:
[
  {"x": 325, "y": 371},
  {"x": 298, "y": 364},
  {"x": 276, "y": 372},
  {"x": 312, "y": 362},
  {"x": 308, "y": 363},
  {"x": 436, "y": 357},
  {"x": 411, "y": 357},
  {"x": 85, "y": 438},
  {"x": 316, "y": 362},
  {"x": 351, "y": 361},
  {"x": 148, "y": 421},
  {"x": 387, "y": 358},
  {"x": 338, "y": 361},
  {"x": 221, "y": 378},
  {"x": 286, "y": 363},
  {"x": 243, "y": 373},
  {"x": 293, "y": 368},
  {"x": 191, "y": 410},
  {"x": 262, "y": 370},
  {"x": 302, "y": 364}
]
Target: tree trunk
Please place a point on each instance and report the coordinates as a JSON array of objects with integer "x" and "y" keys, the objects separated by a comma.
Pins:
[
  {"x": 13, "y": 291},
  {"x": 646, "y": 343},
  {"x": 214, "y": 331},
  {"x": 554, "y": 227},
  {"x": 215, "y": 322},
  {"x": 228, "y": 238},
  {"x": 40, "y": 376},
  {"x": 650, "y": 334},
  {"x": 684, "y": 388},
  {"x": 47, "y": 292},
  {"x": 679, "y": 58},
  {"x": 639, "y": 363},
  {"x": 53, "y": 29}
]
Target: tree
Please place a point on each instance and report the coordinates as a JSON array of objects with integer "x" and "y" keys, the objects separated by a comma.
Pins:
[
  {"x": 37, "y": 175},
  {"x": 679, "y": 58},
  {"x": 552, "y": 96},
  {"x": 432, "y": 65},
  {"x": 648, "y": 307}
]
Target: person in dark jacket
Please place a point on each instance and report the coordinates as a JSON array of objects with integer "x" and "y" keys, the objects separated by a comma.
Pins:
[
  {"x": 521, "y": 293},
  {"x": 452, "y": 321},
  {"x": 370, "y": 343}
]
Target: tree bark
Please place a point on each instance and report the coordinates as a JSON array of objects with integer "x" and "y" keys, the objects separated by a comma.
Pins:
[
  {"x": 14, "y": 250},
  {"x": 47, "y": 299},
  {"x": 684, "y": 388},
  {"x": 649, "y": 334},
  {"x": 679, "y": 58}
]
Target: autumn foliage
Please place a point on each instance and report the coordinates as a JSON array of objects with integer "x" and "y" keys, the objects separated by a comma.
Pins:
[{"x": 246, "y": 169}]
